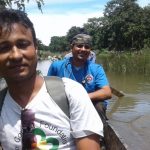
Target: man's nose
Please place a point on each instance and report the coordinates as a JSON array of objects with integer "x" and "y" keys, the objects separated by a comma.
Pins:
[
  {"x": 15, "y": 53},
  {"x": 83, "y": 48}
]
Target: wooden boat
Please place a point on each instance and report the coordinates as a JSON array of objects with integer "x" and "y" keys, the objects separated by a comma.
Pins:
[{"x": 112, "y": 139}]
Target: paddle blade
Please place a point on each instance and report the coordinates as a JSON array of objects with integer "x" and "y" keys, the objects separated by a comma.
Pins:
[{"x": 116, "y": 92}]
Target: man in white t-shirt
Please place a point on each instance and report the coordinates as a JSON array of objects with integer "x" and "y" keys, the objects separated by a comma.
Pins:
[{"x": 29, "y": 108}]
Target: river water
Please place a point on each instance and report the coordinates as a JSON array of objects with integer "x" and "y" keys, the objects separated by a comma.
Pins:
[
  {"x": 136, "y": 101},
  {"x": 131, "y": 113}
]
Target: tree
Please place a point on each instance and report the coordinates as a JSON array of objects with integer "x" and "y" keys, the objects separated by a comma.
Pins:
[
  {"x": 125, "y": 28},
  {"x": 95, "y": 27},
  {"x": 72, "y": 32},
  {"x": 41, "y": 46},
  {"x": 146, "y": 24},
  {"x": 19, "y": 3},
  {"x": 58, "y": 44}
]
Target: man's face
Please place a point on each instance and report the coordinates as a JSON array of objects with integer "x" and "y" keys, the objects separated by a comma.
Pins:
[
  {"x": 81, "y": 52},
  {"x": 18, "y": 57}
]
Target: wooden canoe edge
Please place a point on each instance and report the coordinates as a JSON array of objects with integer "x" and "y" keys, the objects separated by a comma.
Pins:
[{"x": 112, "y": 139}]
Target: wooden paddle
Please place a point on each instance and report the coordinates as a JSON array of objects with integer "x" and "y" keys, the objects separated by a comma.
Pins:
[{"x": 116, "y": 92}]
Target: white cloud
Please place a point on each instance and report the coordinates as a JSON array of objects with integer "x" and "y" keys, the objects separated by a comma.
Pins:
[
  {"x": 53, "y": 23},
  {"x": 47, "y": 26},
  {"x": 57, "y": 19},
  {"x": 143, "y": 3}
]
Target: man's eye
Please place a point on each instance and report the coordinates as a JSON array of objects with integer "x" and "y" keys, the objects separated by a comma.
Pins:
[
  {"x": 22, "y": 44},
  {"x": 4, "y": 48}
]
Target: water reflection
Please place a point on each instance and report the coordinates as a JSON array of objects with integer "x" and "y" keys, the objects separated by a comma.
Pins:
[
  {"x": 43, "y": 66},
  {"x": 136, "y": 101}
]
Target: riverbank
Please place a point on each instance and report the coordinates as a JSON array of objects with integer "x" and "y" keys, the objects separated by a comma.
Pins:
[
  {"x": 126, "y": 62},
  {"x": 116, "y": 62}
]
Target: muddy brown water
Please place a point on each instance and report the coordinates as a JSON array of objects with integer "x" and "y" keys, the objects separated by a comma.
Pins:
[{"x": 130, "y": 115}]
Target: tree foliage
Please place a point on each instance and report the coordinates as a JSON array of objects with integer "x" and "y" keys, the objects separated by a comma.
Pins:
[
  {"x": 20, "y": 4},
  {"x": 125, "y": 29},
  {"x": 58, "y": 44},
  {"x": 124, "y": 26}
]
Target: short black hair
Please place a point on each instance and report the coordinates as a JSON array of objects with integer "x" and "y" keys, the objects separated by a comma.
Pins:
[{"x": 11, "y": 16}]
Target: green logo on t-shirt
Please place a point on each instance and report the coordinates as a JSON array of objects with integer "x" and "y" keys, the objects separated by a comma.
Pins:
[{"x": 42, "y": 142}]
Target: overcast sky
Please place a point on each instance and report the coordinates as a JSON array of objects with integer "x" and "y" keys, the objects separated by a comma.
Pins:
[{"x": 60, "y": 15}]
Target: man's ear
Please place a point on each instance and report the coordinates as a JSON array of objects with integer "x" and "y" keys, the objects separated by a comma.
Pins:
[{"x": 71, "y": 46}]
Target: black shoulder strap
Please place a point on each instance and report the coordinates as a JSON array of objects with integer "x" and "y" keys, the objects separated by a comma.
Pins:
[
  {"x": 56, "y": 89},
  {"x": 2, "y": 97}
]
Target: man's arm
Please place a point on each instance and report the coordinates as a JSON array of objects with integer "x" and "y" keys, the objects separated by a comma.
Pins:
[
  {"x": 91, "y": 142},
  {"x": 101, "y": 94}
]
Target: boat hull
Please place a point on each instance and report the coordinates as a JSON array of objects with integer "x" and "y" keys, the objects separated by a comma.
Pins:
[{"x": 112, "y": 139}]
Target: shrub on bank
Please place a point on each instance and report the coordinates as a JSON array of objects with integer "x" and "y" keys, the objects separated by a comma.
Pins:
[{"x": 126, "y": 62}]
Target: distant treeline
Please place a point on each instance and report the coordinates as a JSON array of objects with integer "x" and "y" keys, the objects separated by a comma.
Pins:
[{"x": 125, "y": 26}]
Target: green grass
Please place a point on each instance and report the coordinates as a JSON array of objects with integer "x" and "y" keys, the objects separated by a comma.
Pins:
[{"x": 135, "y": 62}]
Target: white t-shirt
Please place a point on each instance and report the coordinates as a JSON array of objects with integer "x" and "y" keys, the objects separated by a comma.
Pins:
[{"x": 51, "y": 125}]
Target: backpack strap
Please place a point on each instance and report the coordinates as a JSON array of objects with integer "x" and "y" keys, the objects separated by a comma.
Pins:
[
  {"x": 2, "y": 97},
  {"x": 55, "y": 88}
]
